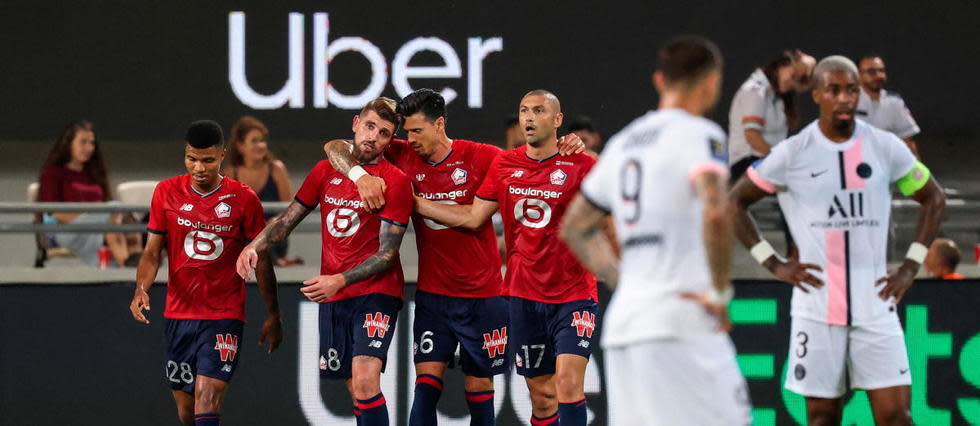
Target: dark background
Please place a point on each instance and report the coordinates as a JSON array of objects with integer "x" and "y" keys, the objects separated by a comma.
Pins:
[
  {"x": 72, "y": 355},
  {"x": 141, "y": 71}
]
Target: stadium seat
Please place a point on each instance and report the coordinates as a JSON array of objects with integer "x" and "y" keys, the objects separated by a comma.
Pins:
[{"x": 138, "y": 192}]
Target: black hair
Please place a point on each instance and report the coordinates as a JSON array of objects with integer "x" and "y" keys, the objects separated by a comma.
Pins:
[
  {"x": 687, "y": 59},
  {"x": 204, "y": 134},
  {"x": 869, "y": 55},
  {"x": 427, "y": 101},
  {"x": 771, "y": 70},
  {"x": 581, "y": 122},
  {"x": 511, "y": 121}
]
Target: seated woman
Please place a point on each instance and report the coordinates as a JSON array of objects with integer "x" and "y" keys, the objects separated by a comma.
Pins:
[
  {"x": 75, "y": 172},
  {"x": 251, "y": 162}
]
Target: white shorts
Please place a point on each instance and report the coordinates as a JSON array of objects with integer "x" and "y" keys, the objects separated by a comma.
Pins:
[
  {"x": 826, "y": 360},
  {"x": 676, "y": 381}
]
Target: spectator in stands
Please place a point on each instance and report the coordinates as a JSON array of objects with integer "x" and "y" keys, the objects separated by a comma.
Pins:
[
  {"x": 583, "y": 127},
  {"x": 513, "y": 136},
  {"x": 881, "y": 108},
  {"x": 764, "y": 109},
  {"x": 75, "y": 172},
  {"x": 251, "y": 162},
  {"x": 942, "y": 259}
]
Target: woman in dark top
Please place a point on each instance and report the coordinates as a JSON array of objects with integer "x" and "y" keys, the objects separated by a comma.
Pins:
[
  {"x": 251, "y": 162},
  {"x": 75, "y": 172}
]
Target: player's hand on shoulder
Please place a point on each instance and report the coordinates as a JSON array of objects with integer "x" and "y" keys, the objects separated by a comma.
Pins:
[
  {"x": 321, "y": 288},
  {"x": 897, "y": 282},
  {"x": 141, "y": 301},
  {"x": 372, "y": 191},
  {"x": 245, "y": 265},
  {"x": 570, "y": 144},
  {"x": 796, "y": 273},
  {"x": 271, "y": 332}
]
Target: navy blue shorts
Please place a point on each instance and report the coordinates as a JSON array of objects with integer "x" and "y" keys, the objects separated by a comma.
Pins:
[
  {"x": 542, "y": 331},
  {"x": 200, "y": 348},
  {"x": 478, "y": 326},
  {"x": 362, "y": 325}
]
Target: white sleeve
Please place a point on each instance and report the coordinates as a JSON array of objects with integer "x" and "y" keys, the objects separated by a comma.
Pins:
[
  {"x": 599, "y": 185},
  {"x": 901, "y": 120},
  {"x": 900, "y": 157},
  {"x": 750, "y": 108},
  {"x": 769, "y": 173},
  {"x": 704, "y": 151}
]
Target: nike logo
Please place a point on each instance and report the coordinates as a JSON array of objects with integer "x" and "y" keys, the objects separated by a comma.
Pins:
[
  {"x": 903, "y": 371},
  {"x": 817, "y": 174}
]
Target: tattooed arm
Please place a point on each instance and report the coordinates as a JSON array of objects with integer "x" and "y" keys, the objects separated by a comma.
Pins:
[
  {"x": 321, "y": 288},
  {"x": 274, "y": 233},
  {"x": 370, "y": 188},
  {"x": 584, "y": 230}
]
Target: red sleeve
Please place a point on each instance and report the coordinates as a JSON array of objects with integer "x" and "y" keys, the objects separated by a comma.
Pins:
[
  {"x": 254, "y": 220},
  {"x": 309, "y": 194},
  {"x": 50, "y": 189},
  {"x": 396, "y": 151},
  {"x": 587, "y": 164},
  {"x": 158, "y": 220},
  {"x": 400, "y": 199},
  {"x": 488, "y": 189}
]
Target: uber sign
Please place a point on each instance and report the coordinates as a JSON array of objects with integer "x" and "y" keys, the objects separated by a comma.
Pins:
[{"x": 324, "y": 51}]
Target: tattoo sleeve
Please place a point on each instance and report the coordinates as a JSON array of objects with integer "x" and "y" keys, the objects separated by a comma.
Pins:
[
  {"x": 391, "y": 239},
  {"x": 583, "y": 229},
  {"x": 340, "y": 155},
  {"x": 279, "y": 228}
]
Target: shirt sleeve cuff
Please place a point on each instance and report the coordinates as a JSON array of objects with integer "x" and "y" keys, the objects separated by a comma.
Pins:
[
  {"x": 708, "y": 167},
  {"x": 759, "y": 181},
  {"x": 300, "y": 202}
]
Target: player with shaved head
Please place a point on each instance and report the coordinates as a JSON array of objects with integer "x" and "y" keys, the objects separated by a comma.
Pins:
[
  {"x": 552, "y": 296},
  {"x": 833, "y": 180}
]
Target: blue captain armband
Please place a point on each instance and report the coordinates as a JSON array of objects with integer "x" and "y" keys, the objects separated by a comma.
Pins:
[{"x": 914, "y": 180}]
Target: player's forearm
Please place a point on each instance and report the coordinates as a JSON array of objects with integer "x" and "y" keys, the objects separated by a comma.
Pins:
[
  {"x": 932, "y": 212},
  {"x": 451, "y": 215},
  {"x": 146, "y": 271},
  {"x": 757, "y": 142},
  {"x": 390, "y": 240},
  {"x": 279, "y": 228},
  {"x": 341, "y": 158},
  {"x": 265, "y": 276},
  {"x": 717, "y": 234},
  {"x": 912, "y": 147},
  {"x": 583, "y": 231}
]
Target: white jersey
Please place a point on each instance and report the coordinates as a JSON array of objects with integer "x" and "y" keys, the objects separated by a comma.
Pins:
[
  {"x": 755, "y": 106},
  {"x": 888, "y": 113},
  {"x": 643, "y": 178},
  {"x": 837, "y": 201}
]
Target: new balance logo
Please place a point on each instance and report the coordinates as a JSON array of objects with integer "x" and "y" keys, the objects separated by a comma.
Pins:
[
  {"x": 187, "y": 207},
  {"x": 495, "y": 342},
  {"x": 584, "y": 323},
  {"x": 517, "y": 173},
  {"x": 584, "y": 343},
  {"x": 376, "y": 325},
  {"x": 375, "y": 344},
  {"x": 497, "y": 362},
  {"x": 336, "y": 181},
  {"x": 226, "y": 368},
  {"x": 227, "y": 346}
]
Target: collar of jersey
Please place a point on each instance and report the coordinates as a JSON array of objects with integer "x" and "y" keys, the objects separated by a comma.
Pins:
[
  {"x": 541, "y": 160},
  {"x": 448, "y": 154},
  {"x": 216, "y": 189}
]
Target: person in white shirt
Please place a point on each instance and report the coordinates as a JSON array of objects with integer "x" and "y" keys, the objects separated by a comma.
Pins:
[
  {"x": 764, "y": 110},
  {"x": 833, "y": 180},
  {"x": 663, "y": 179},
  {"x": 881, "y": 108}
]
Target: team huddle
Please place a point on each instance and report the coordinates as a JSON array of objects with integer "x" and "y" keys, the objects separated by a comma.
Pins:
[{"x": 653, "y": 218}]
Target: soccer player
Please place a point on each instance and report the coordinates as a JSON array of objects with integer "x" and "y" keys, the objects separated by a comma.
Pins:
[
  {"x": 204, "y": 219},
  {"x": 663, "y": 180},
  {"x": 833, "y": 181},
  {"x": 881, "y": 108},
  {"x": 552, "y": 297},
  {"x": 458, "y": 301},
  {"x": 360, "y": 289}
]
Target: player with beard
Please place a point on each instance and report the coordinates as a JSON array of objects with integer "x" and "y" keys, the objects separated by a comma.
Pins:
[
  {"x": 881, "y": 108},
  {"x": 204, "y": 219},
  {"x": 458, "y": 303},
  {"x": 833, "y": 181},
  {"x": 360, "y": 289},
  {"x": 552, "y": 297}
]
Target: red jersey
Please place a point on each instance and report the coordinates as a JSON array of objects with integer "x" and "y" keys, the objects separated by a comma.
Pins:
[
  {"x": 205, "y": 234},
  {"x": 533, "y": 196},
  {"x": 350, "y": 231},
  {"x": 453, "y": 262}
]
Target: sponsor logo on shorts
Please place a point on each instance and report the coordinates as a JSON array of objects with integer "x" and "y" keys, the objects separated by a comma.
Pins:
[
  {"x": 226, "y": 368},
  {"x": 187, "y": 207},
  {"x": 584, "y": 323},
  {"x": 584, "y": 343},
  {"x": 375, "y": 344},
  {"x": 495, "y": 342},
  {"x": 323, "y": 363},
  {"x": 222, "y": 210},
  {"x": 227, "y": 346},
  {"x": 799, "y": 372},
  {"x": 497, "y": 362},
  {"x": 377, "y": 324}
]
